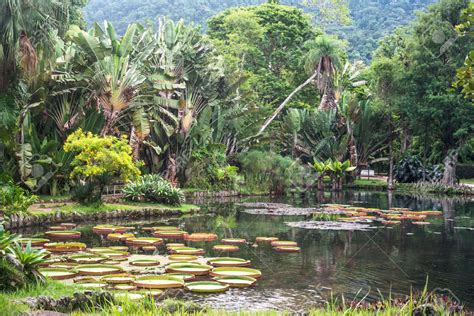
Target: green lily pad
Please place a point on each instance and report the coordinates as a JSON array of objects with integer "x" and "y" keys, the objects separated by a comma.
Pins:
[
  {"x": 158, "y": 282},
  {"x": 145, "y": 263},
  {"x": 63, "y": 234},
  {"x": 287, "y": 249},
  {"x": 144, "y": 241},
  {"x": 58, "y": 273},
  {"x": 206, "y": 287},
  {"x": 87, "y": 259},
  {"x": 97, "y": 269},
  {"x": 92, "y": 285},
  {"x": 34, "y": 241},
  {"x": 187, "y": 250},
  {"x": 236, "y": 271},
  {"x": 226, "y": 248},
  {"x": 228, "y": 262},
  {"x": 124, "y": 287},
  {"x": 182, "y": 257},
  {"x": 118, "y": 279},
  {"x": 236, "y": 281},
  {"x": 191, "y": 268},
  {"x": 65, "y": 246},
  {"x": 185, "y": 276}
]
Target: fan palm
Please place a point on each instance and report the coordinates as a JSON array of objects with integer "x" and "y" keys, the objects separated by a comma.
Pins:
[{"x": 323, "y": 57}]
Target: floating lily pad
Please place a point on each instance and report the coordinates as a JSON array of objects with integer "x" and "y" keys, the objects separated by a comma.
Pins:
[
  {"x": 57, "y": 228},
  {"x": 65, "y": 234},
  {"x": 188, "y": 267},
  {"x": 149, "y": 248},
  {"x": 185, "y": 276},
  {"x": 124, "y": 287},
  {"x": 144, "y": 241},
  {"x": 58, "y": 273},
  {"x": 330, "y": 225},
  {"x": 145, "y": 263},
  {"x": 170, "y": 234},
  {"x": 233, "y": 241},
  {"x": 82, "y": 279},
  {"x": 63, "y": 265},
  {"x": 128, "y": 295},
  {"x": 109, "y": 229},
  {"x": 287, "y": 249},
  {"x": 287, "y": 211},
  {"x": 111, "y": 262},
  {"x": 421, "y": 223},
  {"x": 187, "y": 251},
  {"x": 158, "y": 282},
  {"x": 35, "y": 242},
  {"x": 160, "y": 228},
  {"x": 118, "y": 278},
  {"x": 92, "y": 285},
  {"x": 206, "y": 287},
  {"x": 182, "y": 257},
  {"x": 236, "y": 281},
  {"x": 87, "y": 258},
  {"x": 236, "y": 271},
  {"x": 228, "y": 262},
  {"x": 98, "y": 269},
  {"x": 266, "y": 239},
  {"x": 68, "y": 225},
  {"x": 263, "y": 205},
  {"x": 119, "y": 237},
  {"x": 65, "y": 247},
  {"x": 174, "y": 245},
  {"x": 201, "y": 237},
  {"x": 279, "y": 243},
  {"x": 118, "y": 248},
  {"x": 113, "y": 254},
  {"x": 226, "y": 248}
]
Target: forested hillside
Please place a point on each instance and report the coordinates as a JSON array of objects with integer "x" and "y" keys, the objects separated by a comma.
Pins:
[{"x": 372, "y": 19}]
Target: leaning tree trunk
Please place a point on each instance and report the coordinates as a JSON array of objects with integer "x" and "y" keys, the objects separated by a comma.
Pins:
[
  {"x": 328, "y": 101},
  {"x": 450, "y": 162}
]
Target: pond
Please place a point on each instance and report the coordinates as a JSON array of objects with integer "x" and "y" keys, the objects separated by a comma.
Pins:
[{"x": 389, "y": 259}]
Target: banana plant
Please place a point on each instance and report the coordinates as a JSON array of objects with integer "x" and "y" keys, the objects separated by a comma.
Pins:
[
  {"x": 321, "y": 169},
  {"x": 338, "y": 170}
]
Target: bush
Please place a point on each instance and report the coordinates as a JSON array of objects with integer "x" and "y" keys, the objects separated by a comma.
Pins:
[
  {"x": 411, "y": 170},
  {"x": 153, "y": 188},
  {"x": 14, "y": 199},
  {"x": 96, "y": 162}
]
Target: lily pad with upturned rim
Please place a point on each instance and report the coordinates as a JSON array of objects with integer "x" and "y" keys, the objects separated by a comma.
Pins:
[
  {"x": 92, "y": 285},
  {"x": 119, "y": 237},
  {"x": 185, "y": 276},
  {"x": 226, "y": 248},
  {"x": 182, "y": 257},
  {"x": 58, "y": 273},
  {"x": 158, "y": 282},
  {"x": 63, "y": 234},
  {"x": 124, "y": 287},
  {"x": 236, "y": 281},
  {"x": 280, "y": 243},
  {"x": 235, "y": 271},
  {"x": 287, "y": 249},
  {"x": 170, "y": 234},
  {"x": 206, "y": 287},
  {"x": 98, "y": 269},
  {"x": 144, "y": 241},
  {"x": 191, "y": 268},
  {"x": 266, "y": 239},
  {"x": 118, "y": 278},
  {"x": 187, "y": 250},
  {"x": 201, "y": 237},
  {"x": 145, "y": 263},
  {"x": 228, "y": 262},
  {"x": 233, "y": 241},
  {"x": 65, "y": 247},
  {"x": 35, "y": 242},
  {"x": 87, "y": 259}
]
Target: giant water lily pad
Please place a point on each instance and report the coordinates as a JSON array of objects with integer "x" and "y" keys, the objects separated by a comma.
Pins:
[
  {"x": 226, "y": 248},
  {"x": 236, "y": 271},
  {"x": 64, "y": 234},
  {"x": 287, "y": 249},
  {"x": 144, "y": 241},
  {"x": 160, "y": 228},
  {"x": 284, "y": 243},
  {"x": 92, "y": 285},
  {"x": 182, "y": 257},
  {"x": 97, "y": 269},
  {"x": 330, "y": 225},
  {"x": 58, "y": 273},
  {"x": 35, "y": 242},
  {"x": 124, "y": 287},
  {"x": 65, "y": 247},
  {"x": 185, "y": 276},
  {"x": 288, "y": 211},
  {"x": 145, "y": 263},
  {"x": 158, "y": 282},
  {"x": 83, "y": 259},
  {"x": 188, "y": 267},
  {"x": 236, "y": 281},
  {"x": 170, "y": 234},
  {"x": 119, "y": 237},
  {"x": 187, "y": 250},
  {"x": 206, "y": 287},
  {"x": 263, "y": 205},
  {"x": 228, "y": 262},
  {"x": 133, "y": 296},
  {"x": 265, "y": 239},
  {"x": 109, "y": 229},
  {"x": 201, "y": 237},
  {"x": 233, "y": 241},
  {"x": 118, "y": 278}
]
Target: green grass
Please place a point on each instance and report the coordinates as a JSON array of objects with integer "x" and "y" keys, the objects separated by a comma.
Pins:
[
  {"x": 10, "y": 301},
  {"x": 370, "y": 182},
  {"x": 467, "y": 181}
]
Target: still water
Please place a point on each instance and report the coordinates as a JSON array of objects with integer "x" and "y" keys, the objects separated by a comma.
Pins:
[{"x": 377, "y": 262}]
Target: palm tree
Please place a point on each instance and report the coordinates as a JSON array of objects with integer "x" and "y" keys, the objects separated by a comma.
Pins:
[
  {"x": 323, "y": 58},
  {"x": 21, "y": 22}
]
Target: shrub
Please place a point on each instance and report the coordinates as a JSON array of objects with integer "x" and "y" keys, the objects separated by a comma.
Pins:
[
  {"x": 411, "y": 170},
  {"x": 14, "y": 199},
  {"x": 465, "y": 171},
  {"x": 96, "y": 162},
  {"x": 153, "y": 188}
]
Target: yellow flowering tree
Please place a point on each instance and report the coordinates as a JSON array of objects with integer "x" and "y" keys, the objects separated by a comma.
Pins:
[{"x": 97, "y": 161}]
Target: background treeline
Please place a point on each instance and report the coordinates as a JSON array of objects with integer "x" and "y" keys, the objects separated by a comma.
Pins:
[{"x": 371, "y": 19}]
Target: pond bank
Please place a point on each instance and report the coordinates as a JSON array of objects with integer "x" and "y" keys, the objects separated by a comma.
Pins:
[{"x": 47, "y": 214}]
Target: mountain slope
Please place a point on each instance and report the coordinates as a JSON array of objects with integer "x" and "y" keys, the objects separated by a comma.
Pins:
[{"x": 372, "y": 19}]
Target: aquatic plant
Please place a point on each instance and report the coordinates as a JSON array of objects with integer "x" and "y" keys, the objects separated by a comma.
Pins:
[{"x": 153, "y": 188}]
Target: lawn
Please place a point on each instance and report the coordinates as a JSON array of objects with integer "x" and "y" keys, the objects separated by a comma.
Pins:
[{"x": 467, "y": 181}]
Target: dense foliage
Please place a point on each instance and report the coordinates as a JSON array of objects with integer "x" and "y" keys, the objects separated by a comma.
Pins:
[
  {"x": 153, "y": 188},
  {"x": 371, "y": 20}
]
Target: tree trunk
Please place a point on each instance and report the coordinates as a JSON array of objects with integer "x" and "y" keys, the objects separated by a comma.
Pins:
[
  {"x": 390, "y": 153},
  {"x": 328, "y": 101},
  {"x": 321, "y": 183},
  {"x": 450, "y": 162}
]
